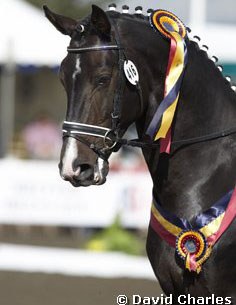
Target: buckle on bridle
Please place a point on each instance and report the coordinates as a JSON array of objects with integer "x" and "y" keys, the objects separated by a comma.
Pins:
[{"x": 108, "y": 139}]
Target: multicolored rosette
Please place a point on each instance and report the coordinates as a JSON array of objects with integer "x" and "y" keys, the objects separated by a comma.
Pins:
[
  {"x": 171, "y": 27},
  {"x": 191, "y": 246},
  {"x": 167, "y": 23},
  {"x": 193, "y": 242}
]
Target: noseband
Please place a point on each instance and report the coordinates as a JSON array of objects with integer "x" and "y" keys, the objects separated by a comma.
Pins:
[{"x": 73, "y": 129}]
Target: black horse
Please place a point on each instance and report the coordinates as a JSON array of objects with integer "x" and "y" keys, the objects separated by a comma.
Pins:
[{"x": 195, "y": 175}]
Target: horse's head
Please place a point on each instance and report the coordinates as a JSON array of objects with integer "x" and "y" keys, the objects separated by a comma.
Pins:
[{"x": 93, "y": 77}]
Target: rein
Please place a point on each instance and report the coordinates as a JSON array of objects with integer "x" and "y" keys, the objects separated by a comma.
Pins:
[{"x": 178, "y": 144}]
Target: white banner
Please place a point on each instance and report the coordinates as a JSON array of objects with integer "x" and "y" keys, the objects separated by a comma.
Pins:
[{"x": 33, "y": 193}]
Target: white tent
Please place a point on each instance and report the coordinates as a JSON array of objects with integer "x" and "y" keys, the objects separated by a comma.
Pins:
[
  {"x": 220, "y": 40},
  {"x": 220, "y": 37},
  {"x": 27, "y": 37}
]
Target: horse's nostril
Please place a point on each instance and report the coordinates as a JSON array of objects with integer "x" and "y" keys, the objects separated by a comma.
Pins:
[
  {"x": 78, "y": 168},
  {"x": 86, "y": 172},
  {"x": 85, "y": 167},
  {"x": 66, "y": 177},
  {"x": 82, "y": 174}
]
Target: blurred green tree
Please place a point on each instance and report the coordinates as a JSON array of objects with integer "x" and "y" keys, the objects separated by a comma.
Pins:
[
  {"x": 116, "y": 238},
  {"x": 72, "y": 8}
]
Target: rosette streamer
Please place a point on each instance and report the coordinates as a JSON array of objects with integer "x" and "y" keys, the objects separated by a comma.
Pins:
[{"x": 172, "y": 28}]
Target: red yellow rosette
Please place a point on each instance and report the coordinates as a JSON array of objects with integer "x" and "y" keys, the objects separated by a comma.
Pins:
[
  {"x": 172, "y": 28},
  {"x": 191, "y": 246}
]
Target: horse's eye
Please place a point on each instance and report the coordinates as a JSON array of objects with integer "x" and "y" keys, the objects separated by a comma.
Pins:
[{"x": 103, "y": 80}]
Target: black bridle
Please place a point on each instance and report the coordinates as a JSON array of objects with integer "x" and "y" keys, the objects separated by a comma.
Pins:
[
  {"x": 111, "y": 140},
  {"x": 75, "y": 129}
]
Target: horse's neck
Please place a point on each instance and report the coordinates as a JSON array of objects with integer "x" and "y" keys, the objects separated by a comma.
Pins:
[
  {"x": 200, "y": 174},
  {"x": 207, "y": 103}
]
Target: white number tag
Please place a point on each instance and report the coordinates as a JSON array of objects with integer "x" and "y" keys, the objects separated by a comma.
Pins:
[{"x": 131, "y": 72}]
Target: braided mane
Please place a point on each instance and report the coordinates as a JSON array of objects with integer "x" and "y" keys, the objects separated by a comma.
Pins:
[{"x": 192, "y": 40}]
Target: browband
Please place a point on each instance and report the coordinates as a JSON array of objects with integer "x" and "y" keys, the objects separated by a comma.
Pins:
[{"x": 95, "y": 48}]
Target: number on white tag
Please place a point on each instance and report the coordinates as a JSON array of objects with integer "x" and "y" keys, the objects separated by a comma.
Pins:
[{"x": 131, "y": 72}]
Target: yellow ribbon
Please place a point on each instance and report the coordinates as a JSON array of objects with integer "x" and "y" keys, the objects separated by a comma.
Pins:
[
  {"x": 170, "y": 227},
  {"x": 207, "y": 230},
  {"x": 175, "y": 72}
]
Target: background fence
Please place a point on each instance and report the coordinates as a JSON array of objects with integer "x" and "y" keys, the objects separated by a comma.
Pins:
[{"x": 32, "y": 193}]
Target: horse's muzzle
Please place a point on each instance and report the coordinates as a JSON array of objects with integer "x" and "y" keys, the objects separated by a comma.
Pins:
[{"x": 86, "y": 174}]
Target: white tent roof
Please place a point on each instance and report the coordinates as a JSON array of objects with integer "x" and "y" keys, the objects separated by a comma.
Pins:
[
  {"x": 27, "y": 37},
  {"x": 220, "y": 37},
  {"x": 220, "y": 40}
]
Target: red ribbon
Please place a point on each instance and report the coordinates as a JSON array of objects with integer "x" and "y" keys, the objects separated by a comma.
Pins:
[
  {"x": 229, "y": 216},
  {"x": 165, "y": 143}
]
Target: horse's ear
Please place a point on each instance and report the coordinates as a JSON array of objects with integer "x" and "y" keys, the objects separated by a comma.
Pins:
[
  {"x": 64, "y": 24},
  {"x": 100, "y": 20}
]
